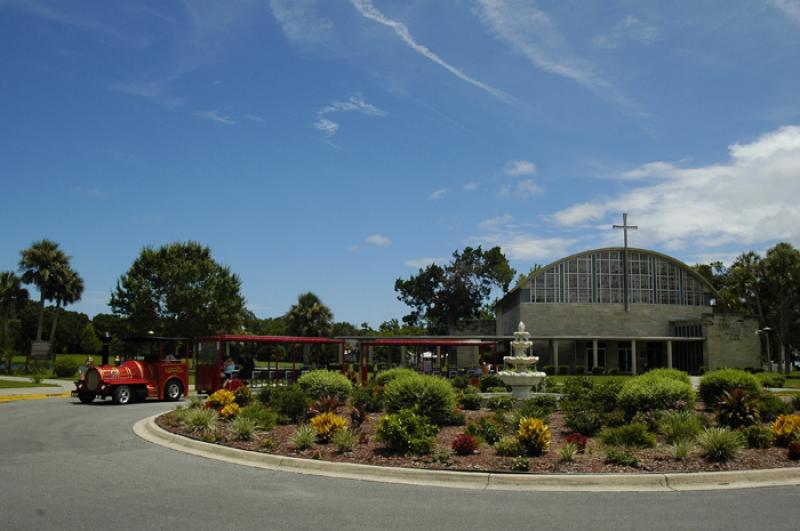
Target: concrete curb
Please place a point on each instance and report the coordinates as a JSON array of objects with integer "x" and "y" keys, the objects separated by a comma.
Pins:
[
  {"x": 148, "y": 430},
  {"x": 32, "y": 396}
]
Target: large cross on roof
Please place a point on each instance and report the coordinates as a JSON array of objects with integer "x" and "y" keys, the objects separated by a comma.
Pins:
[{"x": 625, "y": 228}]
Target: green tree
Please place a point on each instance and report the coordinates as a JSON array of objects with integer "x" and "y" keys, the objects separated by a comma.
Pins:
[
  {"x": 442, "y": 296},
  {"x": 525, "y": 276},
  {"x": 90, "y": 343},
  {"x": 309, "y": 317},
  {"x": 38, "y": 264},
  {"x": 65, "y": 287},
  {"x": 781, "y": 274},
  {"x": 179, "y": 290},
  {"x": 12, "y": 298}
]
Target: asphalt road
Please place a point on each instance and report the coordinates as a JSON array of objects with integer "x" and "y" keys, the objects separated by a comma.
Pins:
[{"x": 64, "y": 465}]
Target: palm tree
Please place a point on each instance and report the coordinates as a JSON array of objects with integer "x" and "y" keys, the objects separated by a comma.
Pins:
[
  {"x": 38, "y": 263},
  {"x": 309, "y": 318},
  {"x": 12, "y": 295},
  {"x": 66, "y": 287}
]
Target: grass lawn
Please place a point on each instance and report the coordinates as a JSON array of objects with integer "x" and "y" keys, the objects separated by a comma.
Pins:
[
  {"x": 792, "y": 383},
  {"x": 599, "y": 378},
  {"x": 11, "y": 384}
]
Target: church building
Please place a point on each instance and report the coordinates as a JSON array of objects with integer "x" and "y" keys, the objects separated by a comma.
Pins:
[{"x": 627, "y": 309}]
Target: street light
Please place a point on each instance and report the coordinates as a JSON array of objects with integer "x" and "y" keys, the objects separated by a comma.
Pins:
[{"x": 766, "y": 330}]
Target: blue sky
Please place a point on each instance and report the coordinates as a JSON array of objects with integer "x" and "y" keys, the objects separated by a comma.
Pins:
[{"x": 336, "y": 145}]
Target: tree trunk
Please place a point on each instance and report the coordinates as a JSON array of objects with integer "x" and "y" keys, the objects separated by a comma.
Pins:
[
  {"x": 53, "y": 331},
  {"x": 41, "y": 317}
]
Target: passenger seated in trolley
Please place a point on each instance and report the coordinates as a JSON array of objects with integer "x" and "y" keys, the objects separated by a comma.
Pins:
[{"x": 228, "y": 368}]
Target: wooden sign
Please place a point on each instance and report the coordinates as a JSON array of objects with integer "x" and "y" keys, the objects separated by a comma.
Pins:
[{"x": 40, "y": 350}]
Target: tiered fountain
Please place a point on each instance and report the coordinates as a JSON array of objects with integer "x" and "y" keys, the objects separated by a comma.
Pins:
[{"x": 523, "y": 375}]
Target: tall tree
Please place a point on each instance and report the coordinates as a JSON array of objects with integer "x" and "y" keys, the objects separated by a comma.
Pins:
[
  {"x": 12, "y": 298},
  {"x": 781, "y": 272},
  {"x": 309, "y": 317},
  {"x": 442, "y": 296},
  {"x": 90, "y": 343},
  {"x": 38, "y": 264},
  {"x": 65, "y": 287},
  {"x": 178, "y": 289}
]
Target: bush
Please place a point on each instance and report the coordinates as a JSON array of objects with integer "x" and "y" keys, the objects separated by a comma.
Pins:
[
  {"x": 383, "y": 378},
  {"x": 542, "y": 403},
  {"x": 490, "y": 380},
  {"x": 230, "y": 411},
  {"x": 737, "y": 409},
  {"x": 262, "y": 417},
  {"x": 533, "y": 435},
  {"x": 603, "y": 395},
  {"x": 243, "y": 428},
  {"x": 598, "y": 371},
  {"x": 578, "y": 439},
  {"x": 242, "y": 395},
  {"x": 371, "y": 395},
  {"x": 290, "y": 402},
  {"x": 465, "y": 444},
  {"x": 586, "y": 422},
  {"x": 220, "y": 399},
  {"x": 65, "y": 367},
  {"x": 317, "y": 384},
  {"x": 715, "y": 382},
  {"x": 485, "y": 429},
  {"x": 406, "y": 431},
  {"x": 567, "y": 452},
  {"x": 431, "y": 396},
  {"x": 579, "y": 370},
  {"x": 195, "y": 402},
  {"x": 628, "y": 435},
  {"x": 326, "y": 425},
  {"x": 793, "y": 450},
  {"x": 786, "y": 428},
  {"x": 549, "y": 370},
  {"x": 497, "y": 390},
  {"x": 563, "y": 370},
  {"x": 265, "y": 395},
  {"x": 681, "y": 448},
  {"x": 720, "y": 444},
  {"x": 652, "y": 393},
  {"x": 796, "y": 402},
  {"x": 758, "y": 437},
  {"x": 621, "y": 456},
  {"x": 344, "y": 440},
  {"x": 202, "y": 420},
  {"x": 520, "y": 464},
  {"x": 771, "y": 379},
  {"x": 679, "y": 425},
  {"x": 613, "y": 371},
  {"x": 456, "y": 418},
  {"x": 303, "y": 438},
  {"x": 771, "y": 406},
  {"x": 672, "y": 374},
  {"x": 500, "y": 403},
  {"x": 470, "y": 399},
  {"x": 461, "y": 381},
  {"x": 508, "y": 447}
]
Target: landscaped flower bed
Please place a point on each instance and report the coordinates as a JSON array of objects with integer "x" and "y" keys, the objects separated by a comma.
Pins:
[{"x": 649, "y": 425}]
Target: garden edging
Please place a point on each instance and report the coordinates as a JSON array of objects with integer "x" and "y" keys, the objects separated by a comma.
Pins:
[{"x": 148, "y": 430}]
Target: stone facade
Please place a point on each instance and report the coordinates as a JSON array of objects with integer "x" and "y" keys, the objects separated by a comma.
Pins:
[{"x": 731, "y": 341}]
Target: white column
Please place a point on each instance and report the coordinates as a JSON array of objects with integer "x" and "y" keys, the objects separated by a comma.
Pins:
[
  {"x": 594, "y": 353},
  {"x": 403, "y": 356},
  {"x": 633, "y": 357},
  {"x": 669, "y": 353}
]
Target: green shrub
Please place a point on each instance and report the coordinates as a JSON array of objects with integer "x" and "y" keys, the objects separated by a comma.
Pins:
[
  {"x": 344, "y": 441},
  {"x": 567, "y": 452},
  {"x": 461, "y": 381},
  {"x": 737, "y": 409},
  {"x": 470, "y": 399},
  {"x": 383, "y": 378},
  {"x": 673, "y": 374},
  {"x": 621, "y": 456},
  {"x": 563, "y": 370},
  {"x": 500, "y": 403},
  {"x": 603, "y": 395},
  {"x": 771, "y": 406},
  {"x": 720, "y": 444},
  {"x": 262, "y": 417},
  {"x": 652, "y": 393},
  {"x": 771, "y": 379},
  {"x": 679, "y": 425},
  {"x": 406, "y": 432},
  {"x": 681, "y": 448},
  {"x": 202, "y": 420},
  {"x": 65, "y": 367},
  {"x": 613, "y": 371},
  {"x": 537, "y": 406},
  {"x": 318, "y": 384},
  {"x": 303, "y": 438},
  {"x": 628, "y": 435},
  {"x": 430, "y": 396},
  {"x": 549, "y": 370},
  {"x": 497, "y": 390},
  {"x": 290, "y": 403},
  {"x": 520, "y": 464},
  {"x": 508, "y": 447},
  {"x": 265, "y": 395},
  {"x": 584, "y": 422},
  {"x": 485, "y": 429},
  {"x": 758, "y": 436},
  {"x": 243, "y": 427},
  {"x": 598, "y": 371},
  {"x": 490, "y": 380},
  {"x": 371, "y": 395},
  {"x": 715, "y": 382},
  {"x": 456, "y": 418},
  {"x": 195, "y": 402}
]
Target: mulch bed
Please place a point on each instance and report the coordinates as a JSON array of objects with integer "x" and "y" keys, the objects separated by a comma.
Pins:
[{"x": 369, "y": 451}]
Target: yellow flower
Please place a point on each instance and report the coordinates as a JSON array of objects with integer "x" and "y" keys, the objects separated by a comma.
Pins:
[
  {"x": 785, "y": 428},
  {"x": 220, "y": 399},
  {"x": 229, "y": 411},
  {"x": 326, "y": 425}
]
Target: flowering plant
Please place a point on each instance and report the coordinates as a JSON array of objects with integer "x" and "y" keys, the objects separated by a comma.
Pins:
[
  {"x": 578, "y": 439},
  {"x": 786, "y": 428},
  {"x": 534, "y": 435},
  {"x": 326, "y": 425}
]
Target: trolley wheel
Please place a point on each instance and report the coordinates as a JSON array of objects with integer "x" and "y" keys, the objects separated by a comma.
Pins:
[
  {"x": 122, "y": 395},
  {"x": 86, "y": 397},
  {"x": 173, "y": 391}
]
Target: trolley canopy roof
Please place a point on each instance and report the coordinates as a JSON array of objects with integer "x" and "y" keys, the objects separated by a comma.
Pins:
[
  {"x": 422, "y": 342},
  {"x": 156, "y": 338},
  {"x": 272, "y": 339}
]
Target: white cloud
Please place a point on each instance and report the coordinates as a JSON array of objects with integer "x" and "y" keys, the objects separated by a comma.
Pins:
[
  {"x": 526, "y": 188},
  {"x": 354, "y": 104},
  {"x": 531, "y": 33},
  {"x": 514, "y": 168},
  {"x": 215, "y": 116},
  {"x": 651, "y": 169},
  {"x": 628, "y": 29},
  {"x": 155, "y": 91},
  {"x": 791, "y": 8},
  {"x": 438, "y": 194},
  {"x": 471, "y": 186},
  {"x": 495, "y": 222},
  {"x": 253, "y": 118},
  {"x": 368, "y": 10},
  {"x": 378, "y": 239},
  {"x": 520, "y": 246},
  {"x": 748, "y": 199},
  {"x": 299, "y": 21},
  {"x": 423, "y": 262}
]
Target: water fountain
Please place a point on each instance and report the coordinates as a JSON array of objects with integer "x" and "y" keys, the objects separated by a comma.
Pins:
[{"x": 523, "y": 375}]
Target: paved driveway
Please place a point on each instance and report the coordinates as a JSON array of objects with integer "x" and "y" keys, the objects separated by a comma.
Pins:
[{"x": 64, "y": 465}]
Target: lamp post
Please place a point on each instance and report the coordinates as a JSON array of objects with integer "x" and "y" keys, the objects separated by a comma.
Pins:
[
  {"x": 765, "y": 331},
  {"x": 106, "y": 347}
]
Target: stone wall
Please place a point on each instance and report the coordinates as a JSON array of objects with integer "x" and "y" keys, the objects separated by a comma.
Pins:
[{"x": 732, "y": 341}]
